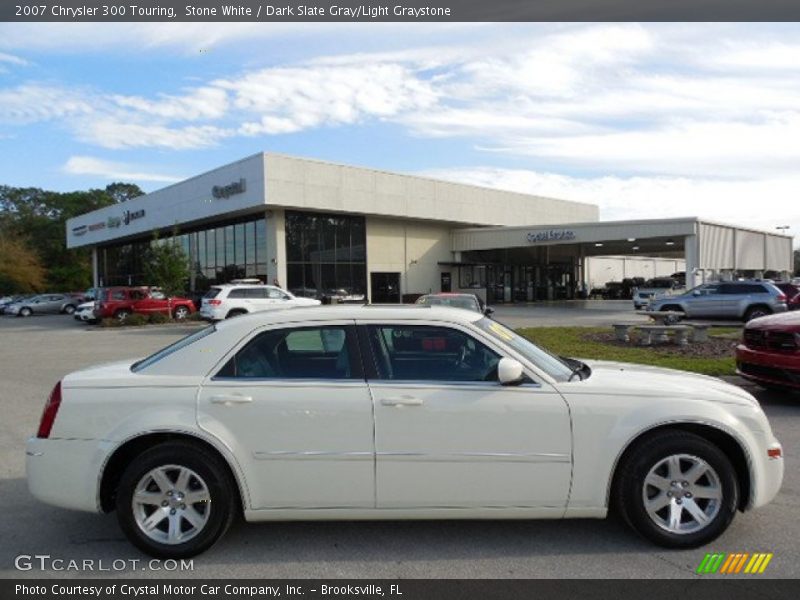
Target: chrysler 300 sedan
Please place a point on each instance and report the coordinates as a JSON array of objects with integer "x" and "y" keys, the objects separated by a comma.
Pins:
[{"x": 394, "y": 413}]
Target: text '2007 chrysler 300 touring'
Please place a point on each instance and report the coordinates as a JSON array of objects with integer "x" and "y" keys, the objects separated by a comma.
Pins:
[{"x": 424, "y": 412}]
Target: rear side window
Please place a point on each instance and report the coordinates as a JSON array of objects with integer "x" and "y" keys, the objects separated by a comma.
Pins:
[
  {"x": 164, "y": 352},
  {"x": 239, "y": 293},
  {"x": 212, "y": 293},
  {"x": 743, "y": 288},
  {"x": 304, "y": 353}
]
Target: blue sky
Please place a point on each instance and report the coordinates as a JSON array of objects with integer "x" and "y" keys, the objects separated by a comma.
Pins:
[{"x": 645, "y": 120}]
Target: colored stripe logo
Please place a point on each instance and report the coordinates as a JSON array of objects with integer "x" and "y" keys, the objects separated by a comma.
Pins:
[{"x": 734, "y": 563}]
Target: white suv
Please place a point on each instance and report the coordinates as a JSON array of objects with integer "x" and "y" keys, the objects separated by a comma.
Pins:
[{"x": 230, "y": 300}]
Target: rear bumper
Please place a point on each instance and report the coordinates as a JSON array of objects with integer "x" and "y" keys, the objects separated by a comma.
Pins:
[
  {"x": 212, "y": 314},
  {"x": 65, "y": 473},
  {"x": 763, "y": 366}
]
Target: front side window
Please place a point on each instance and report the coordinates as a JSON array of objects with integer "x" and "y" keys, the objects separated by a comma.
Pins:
[
  {"x": 276, "y": 294},
  {"x": 429, "y": 353},
  {"x": 303, "y": 353}
]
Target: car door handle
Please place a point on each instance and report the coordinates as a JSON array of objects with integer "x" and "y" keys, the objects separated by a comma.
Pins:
[
  {"x": 402, "y": 401},
  {"x": 229, "y": 399}
]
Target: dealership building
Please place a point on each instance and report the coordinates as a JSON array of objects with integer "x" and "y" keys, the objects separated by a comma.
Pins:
[{"x": 318, "y": 228}]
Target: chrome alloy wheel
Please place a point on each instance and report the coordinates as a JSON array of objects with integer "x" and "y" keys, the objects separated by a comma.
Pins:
[
  {"x": 171, "y": 504},
  {"x": 682, "y": 494}
]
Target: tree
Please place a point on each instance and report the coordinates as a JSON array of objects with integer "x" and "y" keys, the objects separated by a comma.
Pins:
[
  {"x": 20, "y": 269},
  {"x": 122, "y": 192},
  {"x": 166, "y": 264},
  {"x": 40, "y": 216}
]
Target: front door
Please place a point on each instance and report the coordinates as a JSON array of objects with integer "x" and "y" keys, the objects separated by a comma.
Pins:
[
  {"x": 448, "y": 435},
  {"x": 706, "y": 301},
  {"x": 294, "y": 405}
]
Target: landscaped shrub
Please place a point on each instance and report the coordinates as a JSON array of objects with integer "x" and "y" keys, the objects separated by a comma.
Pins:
[
  {"x": 109, "y": 322},
  {"x": 157, "y": 318},
  {"x": 136, "y": 319}
]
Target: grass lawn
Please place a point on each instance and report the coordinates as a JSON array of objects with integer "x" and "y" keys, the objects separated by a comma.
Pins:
[{"x": 570, "y": 341}]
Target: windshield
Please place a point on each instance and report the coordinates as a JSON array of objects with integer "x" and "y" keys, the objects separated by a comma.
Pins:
[
  {"x": 181, "y": 343},
  {"x": 557, "y": 368}
]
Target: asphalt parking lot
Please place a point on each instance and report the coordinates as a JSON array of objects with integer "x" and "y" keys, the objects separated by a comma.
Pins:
[{"x": 36, "y": 352}]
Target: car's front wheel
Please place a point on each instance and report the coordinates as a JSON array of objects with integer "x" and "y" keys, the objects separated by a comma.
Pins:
[
  {"x": 677, "y": 489},
  {"x": 175, "y": 500}
]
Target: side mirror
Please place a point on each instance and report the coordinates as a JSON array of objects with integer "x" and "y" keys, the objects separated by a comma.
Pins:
[
  {"x": 696, "y": 293},
  {"x": 509, "y": 371},
  {"x": 488, "y": 311}
]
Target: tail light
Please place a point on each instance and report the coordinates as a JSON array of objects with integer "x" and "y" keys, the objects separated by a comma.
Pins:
[
  {"x": 781, "y": 297},
  {"x": 49, "y": 412},
  {"x": 215, "y": 302}
]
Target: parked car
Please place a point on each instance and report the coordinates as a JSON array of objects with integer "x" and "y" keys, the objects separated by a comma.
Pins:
[
  {"x": 232, "y": 300},
  {"x": 120, "y": 302},
  {"x": 342, "y": 296},
  {"x": 729, "y": 300},
  {"x": 792, "y": 292},
  {"x": 466, "y": 301},
  {"x": 42, "y": 304},
  {"x": 7, "y": 301},
  {"x": 658, "y": 287},
  {"x": 769, "y": 353},
  {"x": 85, "y": 312},
  {"x": 274, "y": 415}
]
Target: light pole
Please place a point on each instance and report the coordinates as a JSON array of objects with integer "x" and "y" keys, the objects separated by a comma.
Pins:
[{"x": 783, "y": 227}]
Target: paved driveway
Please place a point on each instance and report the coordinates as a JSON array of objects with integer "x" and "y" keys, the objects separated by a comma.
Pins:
[{"x": 36, "y": 352}]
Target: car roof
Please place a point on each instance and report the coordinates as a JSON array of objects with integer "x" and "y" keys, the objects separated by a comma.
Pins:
[{"x": 377, "y": 312}]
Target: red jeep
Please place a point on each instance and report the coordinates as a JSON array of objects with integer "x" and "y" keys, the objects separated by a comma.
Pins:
[
  {"x": 119, "y": 302},
  {"x": 770, "y": 351}
]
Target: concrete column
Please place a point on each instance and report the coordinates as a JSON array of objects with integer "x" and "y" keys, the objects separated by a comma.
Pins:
[
  {"x": 192, "y": 262},
  {"x": 95, "y": 269},
  {"x": 692, "y": 260},
  {"x": 276, "y": 247}
]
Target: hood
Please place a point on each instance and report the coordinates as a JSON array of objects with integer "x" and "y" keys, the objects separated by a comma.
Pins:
[
  {"x": 85, "y": 306},
  {"x": 787, "y": 321},
  {"x": 643, "y": 380}
]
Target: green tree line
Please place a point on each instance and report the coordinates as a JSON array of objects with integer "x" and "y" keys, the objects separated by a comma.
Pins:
[{"x": 33, "y": 251}]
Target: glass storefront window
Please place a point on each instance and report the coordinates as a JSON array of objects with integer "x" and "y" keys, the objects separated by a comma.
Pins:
[{"x": 326, "y": 255}]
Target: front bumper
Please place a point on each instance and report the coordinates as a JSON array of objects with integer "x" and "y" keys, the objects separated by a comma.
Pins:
[
  {"x": 65, "y": 473},
  {"x": 768, "y": 475},
  {"x": 762, "y": 366}
]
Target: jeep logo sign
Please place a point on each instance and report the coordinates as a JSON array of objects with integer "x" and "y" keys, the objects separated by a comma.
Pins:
[
  {"x": 226, "y": 191},
  {"x": 551, "y": 235}
]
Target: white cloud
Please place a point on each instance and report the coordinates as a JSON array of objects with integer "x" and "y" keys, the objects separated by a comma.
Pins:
[
  {"x": 116, "y": 132},
  {"x": 33, "y": 102},
  {"x": 108, "y": 170},
  {"x": 12, "y": 60},
  {"x": 759, "y": 203},
  {"x": 198, "y": 103}
]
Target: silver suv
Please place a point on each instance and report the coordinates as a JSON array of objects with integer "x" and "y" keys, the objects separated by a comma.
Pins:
[{"x": 726, "y": 299}]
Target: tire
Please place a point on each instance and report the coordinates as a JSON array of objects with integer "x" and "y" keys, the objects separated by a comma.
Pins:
[
  {"x": 675, "y": 319},
  {"x": 180, "y": 313},
  {"x": 25, "y": 312},
  {"x": 179, "y": 529},
  {"x": 122, "y": 315},
  {"x": 757, "y": 311},
  {"x": 69, "y": 309},
  {"x": 236, "y": 312},
  {"x": 665, "y": 513}
]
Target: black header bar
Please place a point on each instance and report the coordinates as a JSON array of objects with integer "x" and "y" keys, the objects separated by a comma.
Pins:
[{"x": 398, "y": 10}]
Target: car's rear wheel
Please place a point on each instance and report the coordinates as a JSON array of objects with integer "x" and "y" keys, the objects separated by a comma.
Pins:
[
  {"x": 69, "y": 309},
  {"x": 122, "y": 315},
  {"x": 754, "y": 312},
  {"x": 25, "y": 312},
  {"x": 180, "y": 313},
  {"x": 175, "y": 500},
  {"x": 677, "y": 489},
  {"x": 674, "y": 318},
  {"x": 236, "y": 312}
]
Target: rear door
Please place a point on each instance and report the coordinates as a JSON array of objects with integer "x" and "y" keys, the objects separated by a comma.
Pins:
[{"x": 294, "y": 402}]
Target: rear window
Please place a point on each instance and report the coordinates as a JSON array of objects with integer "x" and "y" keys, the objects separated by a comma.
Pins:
[
  {"x": 212, "y": 293},
  {"x": 164, "y": 352}
]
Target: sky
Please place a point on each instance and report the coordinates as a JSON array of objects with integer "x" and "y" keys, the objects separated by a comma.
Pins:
[{"x": 644, "y": 120}]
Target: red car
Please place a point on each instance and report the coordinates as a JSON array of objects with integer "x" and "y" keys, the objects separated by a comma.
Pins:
[
  {"x": 792, "y": 292},
  {"x": 770, "y": 351},
  {"x": 119, "y": 302}
]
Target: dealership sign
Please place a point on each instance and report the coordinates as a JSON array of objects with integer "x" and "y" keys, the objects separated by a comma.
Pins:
[
  {"x": 551, "y": 235},
  {"x": 226, "y": 191}
]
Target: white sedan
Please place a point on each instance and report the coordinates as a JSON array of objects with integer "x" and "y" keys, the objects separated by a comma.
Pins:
[{"x": 394, "y": 413}]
